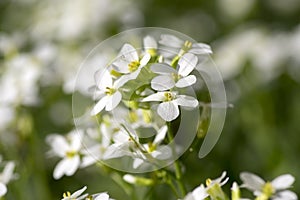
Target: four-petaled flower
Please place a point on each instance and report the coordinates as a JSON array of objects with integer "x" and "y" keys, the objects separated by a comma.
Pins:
[
  {"x": 168, "y": 109},
  {"x": 169, "y": 77},
  {"x": 69, "y": 150},
  {"x": 276, "y": 189}
]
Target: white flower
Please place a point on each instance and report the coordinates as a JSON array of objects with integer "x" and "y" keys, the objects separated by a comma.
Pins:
[
  {"x": 199, "y": 193},
  {"x": 160, "y": 152},
  {"x": 129, "y": 62},
  {"x": 181, "y": 47},
  {"x": 170, "y": 77},
  {"x": 6, "y": 176},
  {"x": 107, "y": 90},
  {"x": 75, "y": 195},
  {"x": 69, "y": 150},
  {"x": 102, "y": 196},
  {"x": 276, "y": 189},
  {"x": 168, "y": 109}
]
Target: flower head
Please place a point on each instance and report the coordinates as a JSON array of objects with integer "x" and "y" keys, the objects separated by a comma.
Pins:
[
  {"x": 168, "y": 109},
  {"x": 276, "y": 189}
]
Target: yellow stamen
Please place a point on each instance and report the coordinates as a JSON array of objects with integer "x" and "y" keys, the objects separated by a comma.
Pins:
[
  {"x": 169, "y": 96},
  {"x": 71, "y": 154},
  {"x": 66, "y": 194},
  {"x": 109, "y": 91},
  {"x": 133, "y": 66}
]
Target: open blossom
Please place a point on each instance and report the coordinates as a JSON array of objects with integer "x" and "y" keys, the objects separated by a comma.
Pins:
[
  {"x": 168, "y": 109},
  {"x": 107, "y": 90},
  {"x": 169, "y": 77},
  {"x": 276, "y": 189},
  {"x": 129, "y": 62},
  {"x": 6, "y": 176},
  {"x": 76, "y": 195},
  {"x": 68, "y": 148},
  {"x": 181, "y": 47}
]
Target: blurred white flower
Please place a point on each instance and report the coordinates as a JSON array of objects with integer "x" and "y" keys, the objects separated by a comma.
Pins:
[
  {"x": 181, "y": 47},
  {"x": 168, "y": 109},
  {"x": 169, "y": 77},
  {"x": 76, "y": 195},
  {"x": 6, "y": 176},
  {"x": 69, "y": 149},
  {"x": 275, "y": 190},
  {"x": 199, "y": 193}
]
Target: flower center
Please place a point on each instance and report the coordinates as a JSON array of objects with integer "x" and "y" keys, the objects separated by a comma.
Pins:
[
  {"x": 109, "y": 91},
  {"x": 71, "y": 154},
  {"x": 176, "y": 77},
  {"x": 152, "y": 147},
  {"x": 268, "y": 189},
  {"x": 169, "y": 96},
  {"x": 187, "y": 46},
  {"x": 152, "y": 52},
  {"x": 133, "y": 65}
]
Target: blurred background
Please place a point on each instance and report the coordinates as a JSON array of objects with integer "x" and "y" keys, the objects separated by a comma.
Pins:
[{"x": 256, "y": 46}]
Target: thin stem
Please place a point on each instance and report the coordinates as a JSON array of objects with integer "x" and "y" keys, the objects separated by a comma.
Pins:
[{"x": 178, "y": 172}]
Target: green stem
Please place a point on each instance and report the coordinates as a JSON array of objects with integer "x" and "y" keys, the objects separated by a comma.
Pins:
[{"x": 178, "y": 172}]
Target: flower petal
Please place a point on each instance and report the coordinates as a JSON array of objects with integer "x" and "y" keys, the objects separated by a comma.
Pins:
[
  {"x": 187, "y": 63},
  {"x": 200, "y": 192},
  {"x": 8, "y": 172},
  {"x": 100, "y": 105},
  {"x": 60, "y": 169},
  {"x": 283, "y": 182},
  {"x": 3, "y": 189},
  {"x": 137, "y": 162},
  {"x": 78, "y": 192},
  {"x": 162, "y": 83},
  {"x": 121, "y": 66},
  {"x": 171, "y": 41},
  {"x": 149, "y": 42},
  {"x": 186, "y": 101},
  {"x": 162, "y": 152},
  {"x": 284, "y": 195},
  {"x": 159, "y": 96},
  {"x": 251, "y": 181},
  {"x": 129, "y": 53},
  {"x": 145, "y": 59},
  {"x": 161, "y": 134},
  {"x": 58, "y": 144},
  {"x": 200, "y": 48},
  {"x": 72, "y": 164},
  {"x": 113, "y": 101},
  {"x": 102, "y": 196},
  {"x": 161, "y": 68},
  {"x": 186, "y": 81},
  {"x": 103, "y": 79},
  {"x": 168, "y": 110},
  {"x": 76, "y": 139}
]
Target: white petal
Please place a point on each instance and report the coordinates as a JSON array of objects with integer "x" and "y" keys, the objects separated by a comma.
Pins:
[
  {"x": 76, "y": 139},
  {"x": 251, "y": 181},
  {"x": 159, "y": 96},
  {"x": 58, "y": 144},
  {"x": 100, "y": 105},
  {"x": 171, "y": 41},
  {"x": 137, "y": 162},
  {"x": 161, "y": 134},
  {"x": 129, "y": 52},
  {"x": 285, "y": 195},
  {"x": 7, "y": 173},
  {"x": 145, "y": 59},
  {"x": 113, "y": 101},
  {"x": 103, "y": 79},
  {"x": 168, "y": 110},
  {"x": 187, "y": 63},
  {"x": 78, "y": 192},
  {"x": 3, "y": 189},
  {"x": 200, "y": 192},
  {"x": 200, "y": 48},
  {"x": 186, "y": 101},
  {"x": 127, "y": 77},
  {"x": 162, "y": 152},
  {"x": 161, "y": 68},
  {"x": 283, "y": 181},
  {"x": 72, "y": 165},
  {"x": 102, "y": 196},
  {"x": 121, "y": 66},
  {"x": 162, "y": 83},
  {"x": 149, "y": 42},
  {"x": 186, "y": 81},
  {"x": 60, "y": 169},
  {"x": 116, "y": 151}
]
